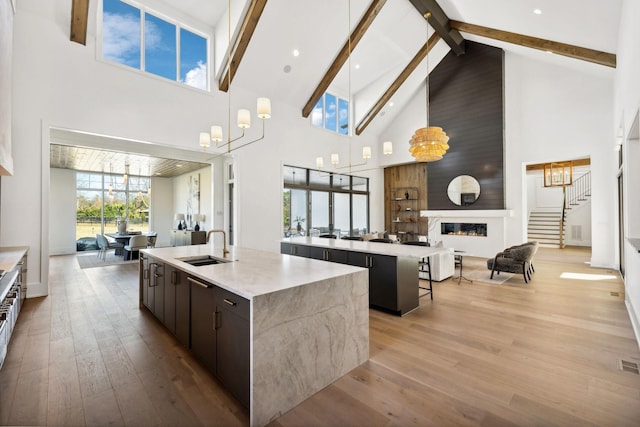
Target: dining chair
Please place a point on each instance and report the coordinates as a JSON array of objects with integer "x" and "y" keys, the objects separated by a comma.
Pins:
[
  {"x": 131, "y": 251},
  {"x": 151, "y": 239}
]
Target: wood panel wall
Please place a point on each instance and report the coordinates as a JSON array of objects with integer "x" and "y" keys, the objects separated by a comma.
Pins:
[
  {"x": 409, "y": 175},
  {"x": 467, "y": 101}
]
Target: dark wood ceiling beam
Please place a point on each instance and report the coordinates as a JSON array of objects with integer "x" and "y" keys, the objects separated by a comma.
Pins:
[
  {"x": 577, "y": 52},
  {"x": 431, "y": 10},
  {"x": 378, "y": 106},
  {"x": 343, "y": 55},
  {"x": 79, "y": 17},
  {"x": 241, "y": 42}
]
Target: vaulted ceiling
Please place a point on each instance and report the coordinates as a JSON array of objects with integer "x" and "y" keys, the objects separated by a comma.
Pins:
[{"x": 388, "y": 44}]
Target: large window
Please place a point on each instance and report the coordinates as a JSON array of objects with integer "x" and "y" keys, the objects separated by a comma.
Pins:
[
  {"x": 331, "y": 113},
  {"x": 316, "y": 203},
  {"x": 141, "y": 39},
  {"x": 102, "y": 200}
]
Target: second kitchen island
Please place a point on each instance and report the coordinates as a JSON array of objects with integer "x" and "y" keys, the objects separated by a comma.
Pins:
[{"x": 273, "y": 328}]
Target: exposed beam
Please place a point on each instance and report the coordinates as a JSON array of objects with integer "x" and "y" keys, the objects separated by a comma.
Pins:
[
  {"x": 79, "y": 16},
  {"x": 417, "y": 59},
  {"x": 577, "y": 52},
  {"x": 338, "y": 62},
  {"x": 431, "y": 10},
  {"x": 241, "y": 42}
]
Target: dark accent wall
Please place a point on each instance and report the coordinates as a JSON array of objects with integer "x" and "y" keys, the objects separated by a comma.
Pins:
[{"x": 467, "y": 101}]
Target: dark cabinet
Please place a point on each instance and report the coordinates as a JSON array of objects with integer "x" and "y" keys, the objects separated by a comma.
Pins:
[
  {"x": 393, "y": 280},
  {"x": 220, "y": 334},
  {"x": 152, "y": 276},
  {"x": 203, "y": 332},
  {"x": 183, "y": 308},
  {"x": 232, "y": 343},
  {"x": 177, "y": 303},
  {"x": 382, "y": 278},
  {"x": 293, "y": 249}
]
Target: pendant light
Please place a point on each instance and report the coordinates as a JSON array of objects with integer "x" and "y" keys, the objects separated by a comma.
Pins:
[
  {"x": 428, "y": 144},
  {"x": 243, "y": 118}
]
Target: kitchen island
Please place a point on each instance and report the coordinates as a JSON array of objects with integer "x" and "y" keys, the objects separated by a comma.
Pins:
[
  {"x": 273, "y": 328},
  {"x": 393, "y": 268}
]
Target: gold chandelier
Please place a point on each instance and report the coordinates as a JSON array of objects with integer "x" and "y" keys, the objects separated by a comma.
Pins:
[{"x": 430, "y": 143}]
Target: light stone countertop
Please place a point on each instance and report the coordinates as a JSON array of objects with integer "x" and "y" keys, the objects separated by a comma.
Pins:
[
  {"x": 377, "y": 248},
  {"x": 251, "y": 272},
  {"x": 10, "y": 256}
]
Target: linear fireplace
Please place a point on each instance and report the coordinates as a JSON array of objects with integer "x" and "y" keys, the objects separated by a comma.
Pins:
[
  {"x": 464, "y": 229},
  {"x": 480, "y": 233}
]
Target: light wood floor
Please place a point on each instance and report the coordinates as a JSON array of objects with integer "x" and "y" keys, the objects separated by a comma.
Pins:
[{"x": 513, "y": 354}]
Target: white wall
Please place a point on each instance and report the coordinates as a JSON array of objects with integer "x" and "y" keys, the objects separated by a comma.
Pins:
[
  {"x": 626, "y": 104},
  {"x": 6, "y": 60},
  {"x": 62, "y": 212},
  {"x": 161, "y": 220},
  {"x": 58, "y": 83},
  {"x": 181, "y": 192}
]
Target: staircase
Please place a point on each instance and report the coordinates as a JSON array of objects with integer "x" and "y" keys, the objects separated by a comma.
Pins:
[
  {"x": 547, "y": 224},
  {"x": 544, "y": 226}
]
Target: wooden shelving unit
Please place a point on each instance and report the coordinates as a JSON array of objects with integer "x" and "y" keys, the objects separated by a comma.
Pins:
[{"x": 405, "y": 213}]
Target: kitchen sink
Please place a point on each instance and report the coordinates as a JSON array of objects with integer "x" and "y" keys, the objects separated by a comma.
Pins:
[{"x": 200, "y": 261}]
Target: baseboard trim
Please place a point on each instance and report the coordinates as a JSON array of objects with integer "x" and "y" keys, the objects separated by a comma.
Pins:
[
  {"x": 635, "y": 324},
  {"x": 35, "y": 290}
]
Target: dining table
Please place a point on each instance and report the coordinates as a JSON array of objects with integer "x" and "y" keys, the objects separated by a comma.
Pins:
[{"x": 124, "y": 239}]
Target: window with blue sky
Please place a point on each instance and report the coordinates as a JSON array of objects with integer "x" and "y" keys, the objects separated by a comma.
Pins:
[
  {"x": 331, "y": 113},
  {"x": 130, "y": 34}
]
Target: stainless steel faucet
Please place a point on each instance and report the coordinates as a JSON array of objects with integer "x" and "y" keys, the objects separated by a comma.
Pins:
[{"x": 225, "y": 251}]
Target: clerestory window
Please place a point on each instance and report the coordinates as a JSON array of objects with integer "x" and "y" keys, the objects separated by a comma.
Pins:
[
  {"x": 139, "y": 38},
  {"x": 332, "y": 113}
]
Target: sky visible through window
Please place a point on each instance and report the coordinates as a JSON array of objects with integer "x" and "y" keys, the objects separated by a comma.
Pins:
[{"x": 121, "y": 42}]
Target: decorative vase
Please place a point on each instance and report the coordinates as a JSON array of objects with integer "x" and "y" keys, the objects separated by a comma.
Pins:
[
  {"x": 122, "y": 227},
  {"x": 197, "y": 227}
]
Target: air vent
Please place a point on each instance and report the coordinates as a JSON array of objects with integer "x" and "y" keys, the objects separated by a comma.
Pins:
[
  {"x": 626, "y": 366},
  {"x": 615, "y": 294}
]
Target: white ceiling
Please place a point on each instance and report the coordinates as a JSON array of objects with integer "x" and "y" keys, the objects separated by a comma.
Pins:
[{"x": 318, "y": 29}]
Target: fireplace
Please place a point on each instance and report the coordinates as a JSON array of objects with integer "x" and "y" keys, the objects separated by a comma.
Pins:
[
  {"x": 480, "y": 233},
  {"x": 463, "y": 229}
]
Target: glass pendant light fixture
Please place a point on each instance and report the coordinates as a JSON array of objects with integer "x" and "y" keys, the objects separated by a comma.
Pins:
[{"x": 430, "y": 143}]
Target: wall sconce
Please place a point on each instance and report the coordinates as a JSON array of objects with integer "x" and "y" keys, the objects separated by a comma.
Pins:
[{"x": 558, "y": 174}]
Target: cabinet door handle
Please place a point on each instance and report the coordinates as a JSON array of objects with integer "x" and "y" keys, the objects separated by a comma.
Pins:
[
  {"x": 174, "y": 277},
  {"x": 216, "y": 320},
  {"x": 199, "y": 283},
  {"x": 230, "y": 302}
]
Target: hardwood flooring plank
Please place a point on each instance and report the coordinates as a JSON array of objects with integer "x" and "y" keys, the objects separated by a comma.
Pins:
[
  {"x": 64, "y": 406},
  {"x": 539, "y": 354},
  {"x": 102, "y": 409},
  {"x": 29, "y": 406}
]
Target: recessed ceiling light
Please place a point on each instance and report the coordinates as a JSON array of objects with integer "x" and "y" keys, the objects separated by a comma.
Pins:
[
  {"x": 287, "y": 68},
  {"x": 357, "y": 66},
  {"x": 537, "y": 11},
  {"x": 178, "y": 165},
  {"x": 296, "y": 52},
  {"x": 391, "y": 104}
]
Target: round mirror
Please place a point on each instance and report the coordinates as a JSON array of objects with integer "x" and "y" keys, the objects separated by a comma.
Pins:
[{"x": 463, "y": 190}]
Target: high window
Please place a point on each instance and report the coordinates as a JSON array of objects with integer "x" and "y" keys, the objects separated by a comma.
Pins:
[
  {"x": 142, "y": 39},
  {"x": 315, "y": 203},
  {"x": 331, "y": 113},
  {"x": 102, "y": 200}
]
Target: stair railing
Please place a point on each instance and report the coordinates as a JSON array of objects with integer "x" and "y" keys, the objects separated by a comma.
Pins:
[
  {"x": 578, "y": 190},
  {"x": 572, "y": 195}
]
